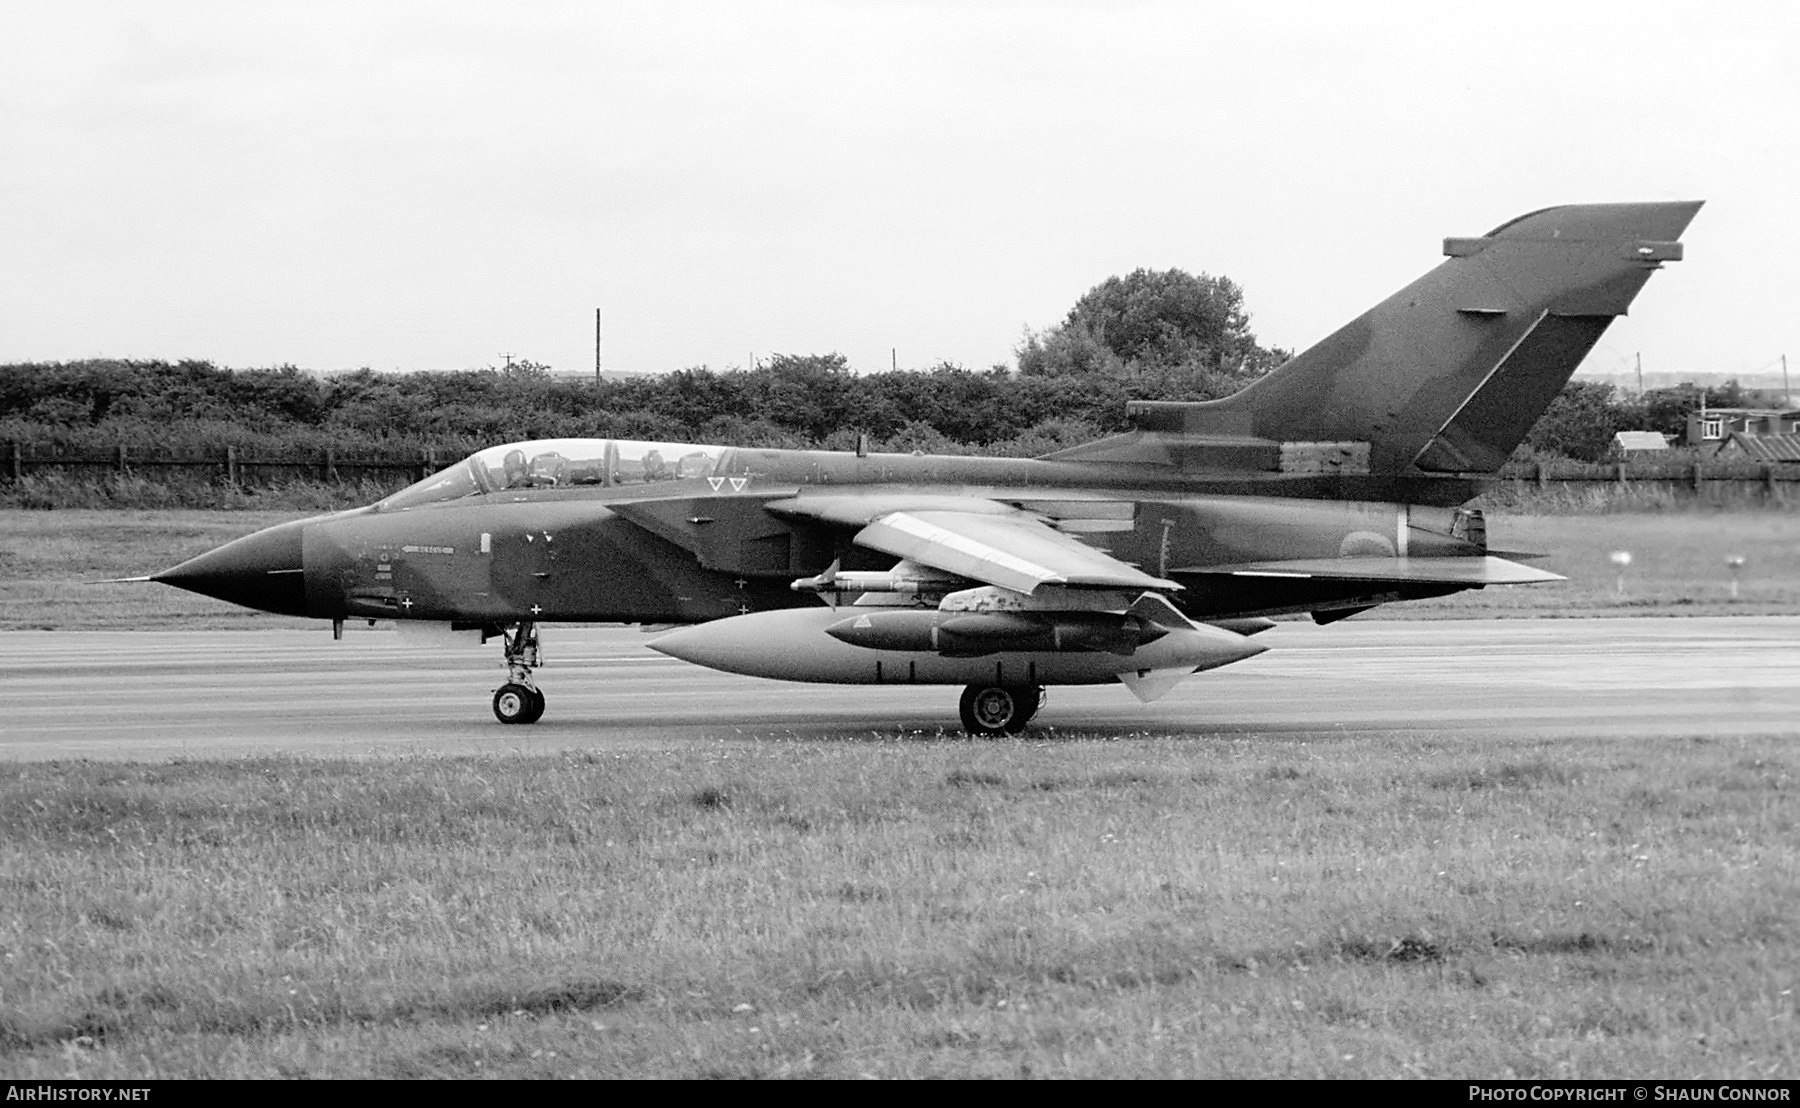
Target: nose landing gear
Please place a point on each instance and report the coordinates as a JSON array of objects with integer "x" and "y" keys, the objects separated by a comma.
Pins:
[
  {"x": 519, "y": 701},
  {"x": 515, "y": 703}
]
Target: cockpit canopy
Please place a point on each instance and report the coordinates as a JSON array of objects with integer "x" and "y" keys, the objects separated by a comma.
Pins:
[{"x": 560, "y": 463}]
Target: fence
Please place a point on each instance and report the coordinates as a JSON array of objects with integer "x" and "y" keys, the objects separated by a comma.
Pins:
[
  {"x": 229, "y": 466},
  {"x": 1768, "y": 481},
  {"x": 1763, "y": 480}
]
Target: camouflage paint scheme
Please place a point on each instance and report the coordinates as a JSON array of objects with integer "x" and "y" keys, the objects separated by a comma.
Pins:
[{"x": 1328, "y": 487}]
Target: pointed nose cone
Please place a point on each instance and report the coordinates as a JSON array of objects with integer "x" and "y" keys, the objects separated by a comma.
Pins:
[{"x": 263, "y": 571}]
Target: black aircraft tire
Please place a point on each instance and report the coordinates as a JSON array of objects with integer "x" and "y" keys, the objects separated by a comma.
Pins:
[
  {"x": 997, "y": 709},
  {"x": 515, "y": 703}
]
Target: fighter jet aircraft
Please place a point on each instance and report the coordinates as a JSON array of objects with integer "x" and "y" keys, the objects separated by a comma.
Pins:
[{"x": 1328, "y": 487}]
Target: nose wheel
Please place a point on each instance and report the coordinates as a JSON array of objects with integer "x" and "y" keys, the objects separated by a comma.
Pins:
[{"x": 519, "y": 701}]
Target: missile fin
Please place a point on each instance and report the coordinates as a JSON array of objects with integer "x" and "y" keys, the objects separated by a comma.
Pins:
[
  {"x": 1155, "y": 608},
  {"x": 1152, "y": 684}
]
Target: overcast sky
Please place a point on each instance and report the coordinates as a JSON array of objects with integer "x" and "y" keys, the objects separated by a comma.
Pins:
[{"x": 434, "y": 185}]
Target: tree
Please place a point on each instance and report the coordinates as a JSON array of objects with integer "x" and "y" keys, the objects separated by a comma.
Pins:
[
  {"x": 1177, "y": 335},
  {"x": 1069, "y": 350},
  {"x": 1580, "y": 422},
  {"x": 803, "y": 392},
  {"x": 1167, "y": 317},
  {"x": 526, "y": 370},
  {"x": 282, "y": 394}
]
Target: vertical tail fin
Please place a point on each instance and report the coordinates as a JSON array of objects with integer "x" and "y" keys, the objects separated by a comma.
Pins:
[{"x": 1449, "y": 374}]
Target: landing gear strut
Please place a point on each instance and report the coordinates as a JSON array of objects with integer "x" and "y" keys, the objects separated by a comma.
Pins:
[
  {"x": 519, "y": 701},
  {"x": 999, "y": 709}
]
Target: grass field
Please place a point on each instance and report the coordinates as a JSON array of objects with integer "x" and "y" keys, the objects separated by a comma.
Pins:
[
  {"x": 50, "y": 559},
  {"x": 1383, "y": 906},
  {"x": 1678, "y": 567}
]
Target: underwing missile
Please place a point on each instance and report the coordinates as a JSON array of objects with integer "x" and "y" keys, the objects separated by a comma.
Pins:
[{"x": 907, "y": 578}]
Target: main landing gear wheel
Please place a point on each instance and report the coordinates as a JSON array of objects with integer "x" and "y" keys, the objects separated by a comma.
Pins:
[
  {"x": 999, "y": 709},
  {"x": 516, "y": 703}
]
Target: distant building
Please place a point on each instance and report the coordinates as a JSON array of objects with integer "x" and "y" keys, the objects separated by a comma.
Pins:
[
  {"x": 1711, "y": 427},
  {"x": 1632, "y": 443},
  {"x": 1760, "y": 448}
]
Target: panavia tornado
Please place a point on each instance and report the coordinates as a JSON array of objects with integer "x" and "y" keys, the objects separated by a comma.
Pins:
[{"x": 1330, "y": 486}]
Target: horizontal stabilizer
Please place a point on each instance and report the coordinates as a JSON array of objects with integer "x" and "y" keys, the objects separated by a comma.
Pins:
[{"x": 1451, "y": 571}]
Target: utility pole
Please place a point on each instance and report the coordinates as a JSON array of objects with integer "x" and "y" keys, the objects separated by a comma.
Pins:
[
  {"x": 1640, "y": 371},
  {"x": 509, "y": 359},
  {"x": 596, "y": 348}
]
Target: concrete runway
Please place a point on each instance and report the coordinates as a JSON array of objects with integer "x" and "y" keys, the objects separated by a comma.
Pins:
[{"x": 160, "y": 695}]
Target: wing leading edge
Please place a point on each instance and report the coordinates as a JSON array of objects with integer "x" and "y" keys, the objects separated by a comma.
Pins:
[{"x": 1013, "y": 551}]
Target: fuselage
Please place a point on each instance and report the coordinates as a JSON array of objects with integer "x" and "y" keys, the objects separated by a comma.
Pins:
[{"x": 594, "y": 530}]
